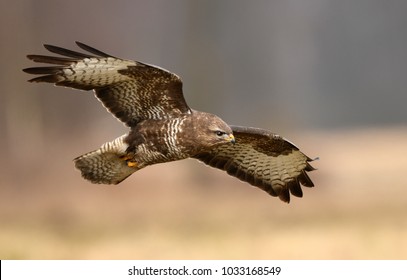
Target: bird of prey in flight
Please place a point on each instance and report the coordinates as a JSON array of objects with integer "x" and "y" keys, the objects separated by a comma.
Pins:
[{"x": 163, "y": 128}]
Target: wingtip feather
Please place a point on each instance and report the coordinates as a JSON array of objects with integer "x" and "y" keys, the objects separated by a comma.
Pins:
[
  {"x": 66, "y": 52},
  {"x": 92, "y": 50}
]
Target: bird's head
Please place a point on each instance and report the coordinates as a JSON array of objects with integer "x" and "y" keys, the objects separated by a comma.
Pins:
[
  {"x": 211, "y": 131},
  {"x": 221, "y": 133}
]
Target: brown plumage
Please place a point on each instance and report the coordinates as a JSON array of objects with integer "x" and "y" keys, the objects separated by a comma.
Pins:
[{"x": 163, "y": 128}]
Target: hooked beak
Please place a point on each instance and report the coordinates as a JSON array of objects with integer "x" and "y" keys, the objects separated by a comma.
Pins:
[{"x": 232, "y": 138}]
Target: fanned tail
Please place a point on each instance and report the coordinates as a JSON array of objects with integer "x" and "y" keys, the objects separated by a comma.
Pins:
[{"x": 105, "y": 165}]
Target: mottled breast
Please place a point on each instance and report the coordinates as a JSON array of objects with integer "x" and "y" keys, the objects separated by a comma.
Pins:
[{"x": 157, "y": 141}]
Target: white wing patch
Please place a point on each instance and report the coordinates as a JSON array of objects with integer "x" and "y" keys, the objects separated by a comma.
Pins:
[{"x": 96, "y": 71}]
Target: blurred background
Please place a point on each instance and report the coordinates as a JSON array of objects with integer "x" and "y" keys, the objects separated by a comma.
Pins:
[{"x": 328, "y": 75}]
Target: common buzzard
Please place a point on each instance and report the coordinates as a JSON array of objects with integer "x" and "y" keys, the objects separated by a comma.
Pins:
[{"x": 163, "y": 128}]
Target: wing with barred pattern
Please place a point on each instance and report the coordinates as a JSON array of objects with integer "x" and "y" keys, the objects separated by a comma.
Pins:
[
  {"x": 264, "y": 160},
  {"x": 132, "y": 91}
]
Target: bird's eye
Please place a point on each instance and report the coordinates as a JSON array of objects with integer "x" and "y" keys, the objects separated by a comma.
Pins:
[{"x": 220, "y": 133}]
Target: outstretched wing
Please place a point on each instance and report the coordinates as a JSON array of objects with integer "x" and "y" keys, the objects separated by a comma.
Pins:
[
  {"x": 132, "y": 91},
  {"x": 264, "y": 160}
]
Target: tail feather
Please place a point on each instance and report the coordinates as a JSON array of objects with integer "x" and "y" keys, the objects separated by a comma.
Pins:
[{"x": 105, "y": 165}]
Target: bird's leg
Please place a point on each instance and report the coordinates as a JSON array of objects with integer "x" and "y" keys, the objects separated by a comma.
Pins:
[
  {"x": 131, "y": 164},
  {"x": 128, "y": 158}
]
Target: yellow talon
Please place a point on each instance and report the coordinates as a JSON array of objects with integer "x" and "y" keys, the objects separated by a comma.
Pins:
[{"x": 131, "y": 164}]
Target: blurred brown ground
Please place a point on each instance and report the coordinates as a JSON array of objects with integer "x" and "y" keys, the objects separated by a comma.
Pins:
[{"x": 184, "y": 210}]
